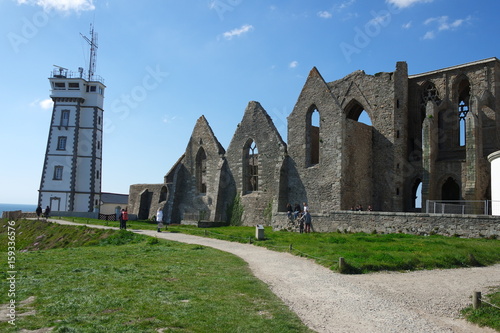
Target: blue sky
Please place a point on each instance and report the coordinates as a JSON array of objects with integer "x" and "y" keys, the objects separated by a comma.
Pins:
[{"x": 167, "y": 62}]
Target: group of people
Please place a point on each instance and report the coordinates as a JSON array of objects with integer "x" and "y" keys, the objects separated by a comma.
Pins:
[
  {"x": 40, "y": 211},
  {"x": 302, "y": 215},
  {"x": 124, "y": 219},
  {"x": 360, "y": 208}
]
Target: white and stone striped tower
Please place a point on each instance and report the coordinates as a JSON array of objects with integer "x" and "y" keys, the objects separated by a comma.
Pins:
[{"x": 71, "y": 176}]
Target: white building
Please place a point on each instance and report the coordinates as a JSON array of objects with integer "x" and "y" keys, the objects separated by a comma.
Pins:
[
  {"x": 494, "y": 159},
  {"x": 71, "y": 176}
]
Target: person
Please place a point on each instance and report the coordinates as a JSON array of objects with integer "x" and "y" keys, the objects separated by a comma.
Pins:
[
  {"x": 370, "y": 208},
  {"x": 159, "y": 219},
  {"x": 306, "y": 208},
  {"x": 307, "y": 221},
  {"x": 301, "y": 225},
  {"x": 296, "y": 210},
  {"x": 289, "y": 210},
  {"x": 123, "y": 219},
  {"x": 47, "y": 212},
  {"x": 38, "y": 211}
]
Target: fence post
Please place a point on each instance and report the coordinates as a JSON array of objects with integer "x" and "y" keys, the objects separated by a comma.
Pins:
[
  {"x": 476, "y": 300},
  {"x": 341, "y": 264}
]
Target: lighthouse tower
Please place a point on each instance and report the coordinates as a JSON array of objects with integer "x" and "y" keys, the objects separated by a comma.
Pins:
[{"x": 71, "y": 175}]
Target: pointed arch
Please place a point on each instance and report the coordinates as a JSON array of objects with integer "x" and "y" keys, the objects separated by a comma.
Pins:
[
  {"x": 201, "y": 171},
  {"x": 163, "y": 194},
  {"x": 313, "y": 120},
  {"x": 251, "y": 167},
  {"x": 462, "y": 91},
  {"x": 354, "y": 110},
  {"x": 416, "y": 194},
  {"x": 428, "y": 92},
  {"x": 450, "y": 190}
]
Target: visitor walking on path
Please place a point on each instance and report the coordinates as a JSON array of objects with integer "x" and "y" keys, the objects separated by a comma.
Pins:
[
  {"x": 38, "y": 211},
  {"x": 47, "y": 212},
  {"x": 123, "y": 219},
  {"x": 159, "y": 219},
  {"x": 307, "y": 221}
]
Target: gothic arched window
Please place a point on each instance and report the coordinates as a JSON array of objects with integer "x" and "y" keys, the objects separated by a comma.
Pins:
[
  {"x": 201, "y": 171},
  {"x": 250, "y": 167},
  {"x": 313, "y": 139}
]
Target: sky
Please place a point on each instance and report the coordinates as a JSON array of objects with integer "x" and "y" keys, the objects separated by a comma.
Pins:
[{"x": 165, "y": 63}]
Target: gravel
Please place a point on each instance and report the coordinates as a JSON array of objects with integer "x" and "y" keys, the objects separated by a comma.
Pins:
[{"x": 326, "y": 301}]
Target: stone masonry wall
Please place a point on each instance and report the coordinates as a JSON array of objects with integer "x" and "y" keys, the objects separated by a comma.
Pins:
[
  {"x": 258, "y": 127},
  {"x": 470, "y": 226}
]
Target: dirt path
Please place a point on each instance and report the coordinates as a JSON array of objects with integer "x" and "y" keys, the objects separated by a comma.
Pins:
[{"x": 423, "y": 301}]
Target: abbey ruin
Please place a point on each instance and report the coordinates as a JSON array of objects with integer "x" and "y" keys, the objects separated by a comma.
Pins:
[{"x": 433, "y": 129}]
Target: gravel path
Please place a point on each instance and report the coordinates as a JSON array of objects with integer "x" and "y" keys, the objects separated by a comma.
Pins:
[{"x": 422, "y": 301}]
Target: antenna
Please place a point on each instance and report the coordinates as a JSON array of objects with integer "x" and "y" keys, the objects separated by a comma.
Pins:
[{"x": 93, "y": 51}]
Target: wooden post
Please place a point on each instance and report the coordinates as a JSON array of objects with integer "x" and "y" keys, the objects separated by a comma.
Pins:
[
  {"x": 476, "y": 300},
  {"x": 341, "y": 264}
]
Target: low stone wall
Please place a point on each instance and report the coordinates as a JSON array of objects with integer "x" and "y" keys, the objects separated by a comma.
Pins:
[
  {"x": 208, "y": 224},
  {"x": 470, "y": 226}
]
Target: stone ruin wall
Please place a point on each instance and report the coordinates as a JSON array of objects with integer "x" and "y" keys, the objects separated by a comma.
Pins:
[{"x": 468, "y": 226}]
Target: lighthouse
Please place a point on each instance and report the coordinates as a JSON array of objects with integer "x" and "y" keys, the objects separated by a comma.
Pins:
[{"x": 72, "y": 168}]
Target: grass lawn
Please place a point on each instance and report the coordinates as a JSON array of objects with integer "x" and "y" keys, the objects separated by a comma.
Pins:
[
  {"x": 88, "y": 280},
  {"x": 363, "y": 253}
]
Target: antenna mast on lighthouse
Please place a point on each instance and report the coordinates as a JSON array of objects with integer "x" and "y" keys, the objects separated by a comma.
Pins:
[{"x": 93, "y": 51}]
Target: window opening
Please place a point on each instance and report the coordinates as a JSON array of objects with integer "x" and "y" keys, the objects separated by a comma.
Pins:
[
  {"x": 417, "y": 194},
  {"x": 252, "y": 168},
  {"x": 450, "y": 190},
  {"x": 61, "y": 143},
  {"x": 429, "y": 93},
  {"x": 314, "y": 138},
  {"x": 65, "y": 118},
  {"x": 463, "y": 110},
  {"x": 58, "y": 172},
  {"x": 59, "y": 86},
  {"x": 201, "y": 171}
]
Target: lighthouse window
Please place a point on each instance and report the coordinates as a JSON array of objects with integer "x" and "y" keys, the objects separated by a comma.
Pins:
[
  {"x": 65, "y": 118},
  {"x": 58, "y": 172},
  {"x": 61, "y": 143},
  {"x": 74, "y": 86},
  {"x": 59, "y": 86}
]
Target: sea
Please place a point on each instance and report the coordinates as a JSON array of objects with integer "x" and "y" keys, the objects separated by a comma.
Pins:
[{"x": 10, "y": 207}]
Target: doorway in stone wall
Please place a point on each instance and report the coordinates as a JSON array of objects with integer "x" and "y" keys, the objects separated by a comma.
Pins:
[{"x": 450, "y": 190}]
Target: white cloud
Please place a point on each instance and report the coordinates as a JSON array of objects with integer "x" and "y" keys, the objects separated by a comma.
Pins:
[
  {"x": 443, "y": 23},
  {"x": 380, "y": 19},
  {"x": 325, "y": 14},
  {"x": 407, "y": 25},
  {"x": 406, "y": 3},
  {"x": 293, "y": 64},
  {"x": 62, "y": 5},
  {"x": 168, "y": 119},
  {"x": 45, "y": 104},
  {"x": 238, "y": 31},
  {"x": 344, "y": 4},
  {"x": 429, "y": 35}
]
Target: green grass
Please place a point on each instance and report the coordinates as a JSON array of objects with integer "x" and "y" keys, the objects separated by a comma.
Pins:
[
  {"x": 117, "y": 281},
  {"x": 363, "y": 252},
  {"x": 368, "y": 252},
  {"x": 486, "y": 315}
]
